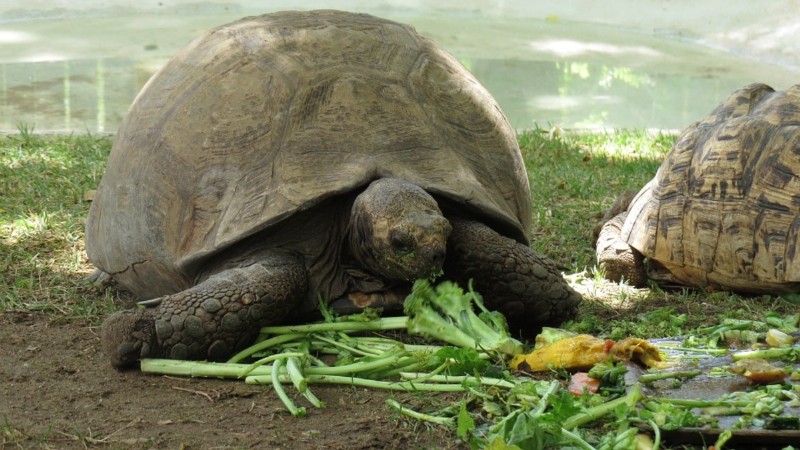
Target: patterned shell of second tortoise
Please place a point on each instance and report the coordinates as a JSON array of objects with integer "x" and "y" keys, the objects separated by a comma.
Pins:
[{"x": 723, "y": 210}]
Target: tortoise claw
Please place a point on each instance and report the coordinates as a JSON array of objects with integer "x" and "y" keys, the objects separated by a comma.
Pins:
[
  {"x": 127, "y": 337},
  {"x": 152, "y": 302}
]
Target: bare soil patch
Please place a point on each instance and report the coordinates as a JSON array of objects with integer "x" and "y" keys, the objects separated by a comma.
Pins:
[{"x": 59, "y": 391}]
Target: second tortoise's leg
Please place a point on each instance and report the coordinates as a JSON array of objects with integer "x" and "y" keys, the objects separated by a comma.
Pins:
[
  {"x": 615, "y": 258},
  {"x": 211, "y": 320},
  {"x": 523, "y": 285}
]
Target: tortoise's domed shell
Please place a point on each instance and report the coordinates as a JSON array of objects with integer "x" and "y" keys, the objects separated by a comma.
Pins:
[
  {"x": 262, "y": 118},
  {"x": 724, "y": 208}
]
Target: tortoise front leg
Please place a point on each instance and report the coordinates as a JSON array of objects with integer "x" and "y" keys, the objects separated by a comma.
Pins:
[
  {"x": 615, "y": 258},
  {"x": 211, "y": 320},
  {"x": 513, "y": 279}
]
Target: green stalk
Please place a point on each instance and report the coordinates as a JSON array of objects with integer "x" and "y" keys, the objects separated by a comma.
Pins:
[
  {"x": 625, "y": 438},
  {"x": 298, "y": 379},
  {"x": 265, "y": 344},
  {"x": 770, "y": 353},
  {"x": 234, "y": 370},
  {"x": 313, "y": 399},
  {"x": 656, "y": 434},
  {"x": 200, "y": 369},
  {"x": 654, "y": 427},
  {"x": 709, "y": 351},
  {"x": 385, "y": 323},
  {"x": 409, "y": 364},
  {"x": 596, "y": 412},
  {"x": 429, "y": 323},
  {"x": 268, "y": 359},
  {"x": 702, "y": 403},
  {"x": 574, "y": 439},
  {"x": 355, "y": 350},
  {"x": 275, "y": 379},
  {"x": 407, "y": 386},
  {"x": 542, "y": 405},
  {"x": 389, "y": 360},
  {"x": 314, "y": 361},
  {"x": 651, "y": 377},
  {"x": 448, "y": 421},
  {"x": 301, "y": 382},
  {"x": 488, "y": 337},
  {"x": 460, "y": 379},
  {"x": 387, "y": 344},
  {"x": 426, "y": 376},
  {"x": 722, "y": 439}
]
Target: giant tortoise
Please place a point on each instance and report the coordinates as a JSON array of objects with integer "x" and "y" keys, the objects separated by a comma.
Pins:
[
  {"x": 723, "y": 210},
  {"x": 298, "y": 156}
]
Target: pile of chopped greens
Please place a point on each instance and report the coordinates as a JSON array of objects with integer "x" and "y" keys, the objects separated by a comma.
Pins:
[{"x": 501, "y": 408}]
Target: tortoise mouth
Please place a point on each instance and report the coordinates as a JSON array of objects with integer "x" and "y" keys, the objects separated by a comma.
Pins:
[
  {"x": 420, "y": 254},
  {"x": 398, "y": 231},
  {"x": 424, "y": 262}
]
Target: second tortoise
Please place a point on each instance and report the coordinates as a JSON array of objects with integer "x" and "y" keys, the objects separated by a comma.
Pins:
[{"x": 723, "y": 210}]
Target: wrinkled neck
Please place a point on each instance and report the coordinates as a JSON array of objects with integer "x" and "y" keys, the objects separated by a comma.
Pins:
[{"x": 358, "y": 236}]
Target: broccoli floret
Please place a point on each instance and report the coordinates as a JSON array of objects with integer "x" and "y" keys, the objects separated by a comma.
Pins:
[{"x": 446, "y": 313}]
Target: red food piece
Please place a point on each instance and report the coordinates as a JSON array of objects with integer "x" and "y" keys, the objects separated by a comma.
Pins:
[{"x": 581, "y": 383}]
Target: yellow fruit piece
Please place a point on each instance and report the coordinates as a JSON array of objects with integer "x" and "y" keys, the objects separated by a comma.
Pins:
[
  {"x": 777, "y": 338},
  {"x": 578, "y": 352},
  {"x": 639, "y": 350},
  {"x": 584, "y": 351}
]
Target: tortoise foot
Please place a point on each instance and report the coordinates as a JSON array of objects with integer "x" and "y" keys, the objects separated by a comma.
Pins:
[
  {"x": 523, "y": 285},
  {"x": 128, "y": 336},
  {"x": 616, "y": 259},
  {"x": 211, "y": 320}
]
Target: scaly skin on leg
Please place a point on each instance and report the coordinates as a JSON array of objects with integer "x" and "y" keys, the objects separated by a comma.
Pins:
[
  {"x": 618, "y": 260},
  {"x": 211, "y": 320},
  {"x": 513, "y": 279}
]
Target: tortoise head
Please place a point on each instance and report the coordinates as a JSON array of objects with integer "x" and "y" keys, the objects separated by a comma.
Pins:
[{"x": 397, "y": 230}]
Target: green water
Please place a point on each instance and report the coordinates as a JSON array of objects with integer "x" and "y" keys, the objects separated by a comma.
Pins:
[{"x": 81, "y": 74}]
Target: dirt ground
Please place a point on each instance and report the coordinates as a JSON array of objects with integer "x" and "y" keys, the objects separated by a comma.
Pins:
[{"x": 59, "y": 391}]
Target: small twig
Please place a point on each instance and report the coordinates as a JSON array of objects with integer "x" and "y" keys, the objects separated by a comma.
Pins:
[
  {"x": 192, "y": 391},
  {"x": 105, "y": 440}
]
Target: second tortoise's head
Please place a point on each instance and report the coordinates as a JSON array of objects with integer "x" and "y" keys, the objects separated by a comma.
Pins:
[{"x": 397, "y": 231}]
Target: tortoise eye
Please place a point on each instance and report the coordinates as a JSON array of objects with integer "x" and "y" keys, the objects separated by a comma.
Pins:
[{"x": 401, "y": 241}]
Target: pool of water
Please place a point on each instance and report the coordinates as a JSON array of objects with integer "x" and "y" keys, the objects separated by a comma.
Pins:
[{"x": 80, "y": 73}]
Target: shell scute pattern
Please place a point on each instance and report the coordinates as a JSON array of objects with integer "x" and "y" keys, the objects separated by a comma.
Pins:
[{"x": 724, "y": 207}]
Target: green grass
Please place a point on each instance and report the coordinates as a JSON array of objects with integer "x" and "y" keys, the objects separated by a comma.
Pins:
[
  {"x": 46, "y": 182},
  {"x": 43, "y": 185},
  {"x": 574, "y": 177}
]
